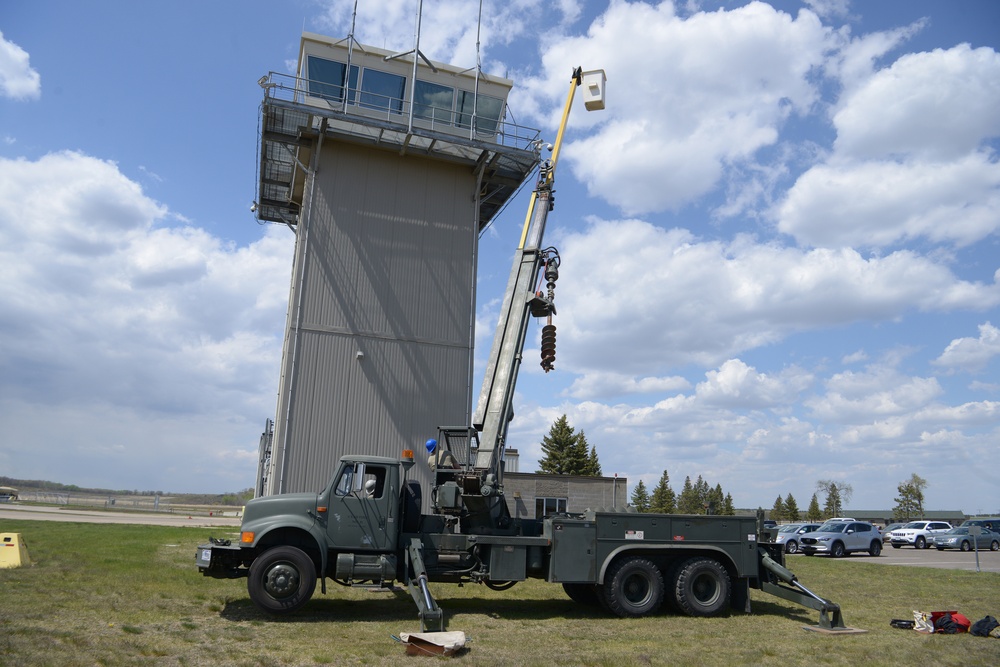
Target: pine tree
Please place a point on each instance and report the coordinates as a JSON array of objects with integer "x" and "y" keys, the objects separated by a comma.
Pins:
[
  {"x": 778, "y": 511},
  {"x": 715, "y": 500},
  {"x": 791, "y": 508},
  {"x": 728, "y": 508},
  {"x": 554, "y": 446},
  {"x": 594, "y": 464},
  {"x": 688, "y": 501},
  {"x": 640, "y": 498},
  {"x": 568, "y": 453},
  {"x": 664, "y": 500},
  {"x": 814, "y": 513},
  {"x": 701, "y": 489}
]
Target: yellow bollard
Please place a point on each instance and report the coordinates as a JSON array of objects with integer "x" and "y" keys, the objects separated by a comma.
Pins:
[{"x": 13, "y": 551}]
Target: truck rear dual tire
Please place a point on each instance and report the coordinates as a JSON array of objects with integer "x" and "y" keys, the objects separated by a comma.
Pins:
[
  {"x": 633, "y": 586},
  {"x": 281, "y": 580},
  {"x": 703, "y": 587}
]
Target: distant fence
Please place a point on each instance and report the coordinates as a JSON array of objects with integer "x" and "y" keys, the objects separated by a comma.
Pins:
[{"x": 162, "y": 504}]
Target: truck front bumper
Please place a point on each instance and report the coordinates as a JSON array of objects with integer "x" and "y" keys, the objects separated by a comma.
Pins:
[{"x": 220, "y": 561}]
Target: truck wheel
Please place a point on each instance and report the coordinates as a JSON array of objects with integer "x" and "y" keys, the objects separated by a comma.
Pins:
[
  {"x": 633, "y": 587},
  {"x": 876, "y": 548},
  {"x": 281, "y": 580},
  {"x": 837, "y": 550},
  {"x": 920, "y": 543},
  {"x": 584, "y": 594},
  {"x": 703, "y": 587}
]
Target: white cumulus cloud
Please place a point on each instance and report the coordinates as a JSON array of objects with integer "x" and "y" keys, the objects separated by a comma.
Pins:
[
  {"x": 113, "y": 323},
  {"x": 972, "y": 354},
  {"x": 18, "y": 80}
]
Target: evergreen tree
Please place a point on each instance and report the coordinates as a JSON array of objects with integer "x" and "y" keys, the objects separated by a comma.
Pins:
[
  {"x": 664, "y": 500},
  {"x": 728, "y": 508},
  {"x": 814, "y": 513},
  {"x": 554, "y": 447},
  {"x": 688, "y": 502},
  {"x": 778, "y": 511},
  {"x": 701, "y": 488},
  {"x": 592, "y": 467},
  {"x": 640, "y": 498},
  {"x": 567, "y": 453},
  {"x": 791, "y": 508},
  {"x": 716, "y": 500},
  {"x": 594, "y": 464}
]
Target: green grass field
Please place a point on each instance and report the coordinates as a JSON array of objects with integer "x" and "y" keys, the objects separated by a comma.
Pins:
[{"x": 131, "y": 595}]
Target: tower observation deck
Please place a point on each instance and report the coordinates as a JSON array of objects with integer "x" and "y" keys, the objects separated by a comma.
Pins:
[{"x": 447, "y": 114}]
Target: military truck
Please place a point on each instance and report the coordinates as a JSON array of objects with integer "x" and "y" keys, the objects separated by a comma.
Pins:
[{"x": 366, "y": 527}]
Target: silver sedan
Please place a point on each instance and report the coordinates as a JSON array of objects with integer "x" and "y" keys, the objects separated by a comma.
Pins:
[{"x": 959, "y": 538}]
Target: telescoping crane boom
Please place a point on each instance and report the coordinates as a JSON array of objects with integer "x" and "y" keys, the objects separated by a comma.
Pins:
[{"x": 476, "y": 491}]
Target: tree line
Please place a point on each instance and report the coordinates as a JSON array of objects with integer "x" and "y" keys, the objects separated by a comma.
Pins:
[{"x": 567, "y": 452}]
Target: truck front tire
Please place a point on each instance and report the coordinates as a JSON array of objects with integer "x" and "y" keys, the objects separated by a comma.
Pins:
[
  {"x": 281, "y": 580},
  {"x": 703, "y": 587},
  {"x": 633, "y": 586}
]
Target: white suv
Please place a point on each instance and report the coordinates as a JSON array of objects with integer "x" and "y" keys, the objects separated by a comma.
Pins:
[{"x": 916, "y": 533}]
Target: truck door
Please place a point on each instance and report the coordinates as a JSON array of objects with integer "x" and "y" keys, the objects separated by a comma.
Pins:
[{"x": 362, "y": 508}]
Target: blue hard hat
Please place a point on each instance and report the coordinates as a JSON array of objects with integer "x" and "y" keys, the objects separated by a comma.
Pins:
[{"x": 431, "y": 445}]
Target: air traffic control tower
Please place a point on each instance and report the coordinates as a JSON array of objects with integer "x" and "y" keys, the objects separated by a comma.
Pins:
[{"x": 386, "y": 167}]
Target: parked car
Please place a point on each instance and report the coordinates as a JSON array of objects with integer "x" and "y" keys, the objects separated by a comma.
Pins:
[
  {"x": 790, "y": 533},
  {"x": 888, "y": 529},
  {"x": 959, "y": 538},
  {"x": 916, "y": 533},
  {"x": 993, "y": 523},
  {"x": 840, "y": 538}
]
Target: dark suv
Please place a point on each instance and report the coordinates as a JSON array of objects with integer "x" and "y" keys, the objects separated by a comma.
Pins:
[{"x": 990, "y": 523}]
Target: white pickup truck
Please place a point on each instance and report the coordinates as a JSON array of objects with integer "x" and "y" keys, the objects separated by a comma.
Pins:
[{"x": 917, "y": 533}]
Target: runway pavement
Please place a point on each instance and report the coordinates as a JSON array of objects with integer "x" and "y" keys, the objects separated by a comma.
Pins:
[{"x": 47, "y": 513}]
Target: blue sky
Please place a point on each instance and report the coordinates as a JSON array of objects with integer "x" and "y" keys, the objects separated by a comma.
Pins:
[{"x": 779, "y": 240}]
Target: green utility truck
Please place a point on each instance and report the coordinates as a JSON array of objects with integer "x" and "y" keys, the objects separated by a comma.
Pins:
[{"x": 367, "y": 527}]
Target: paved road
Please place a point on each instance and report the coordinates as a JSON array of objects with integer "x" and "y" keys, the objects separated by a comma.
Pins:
[
  {"x": 950, "y": 559},
  {"x": 44, "y": 513}
]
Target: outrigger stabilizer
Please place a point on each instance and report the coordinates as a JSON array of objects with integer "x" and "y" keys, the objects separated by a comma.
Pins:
[{"x": 830, "y": 619}]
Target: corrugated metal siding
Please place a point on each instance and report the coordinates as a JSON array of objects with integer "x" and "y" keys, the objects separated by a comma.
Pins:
[
  {"x": 389, "y": 275},
  {"x": 391, "y": 246}
]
